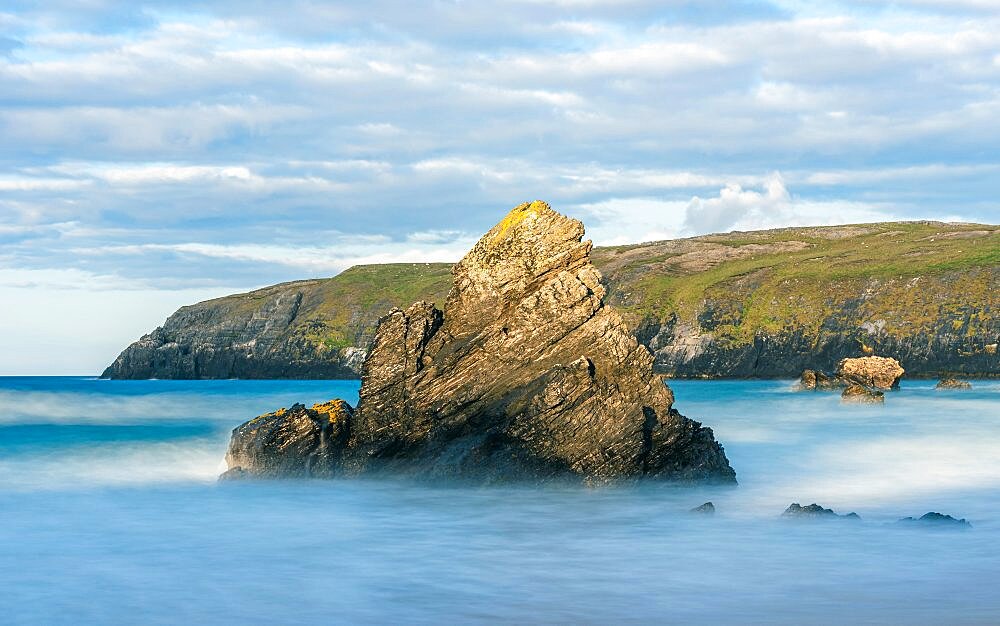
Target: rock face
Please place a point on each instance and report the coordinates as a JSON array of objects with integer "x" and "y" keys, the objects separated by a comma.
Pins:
[
  {"x": 871, "y": 371},
  {"x": 524, "y": 374},
  {"x": 859, "y": 394},
  {"x": 303, "y": 329},
  {"x": 761, "y": 304},
  {"x": 953, "y": 383}
]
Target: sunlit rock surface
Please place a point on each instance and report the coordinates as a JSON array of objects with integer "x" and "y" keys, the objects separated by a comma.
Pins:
[{"x": 871, "y": 371}]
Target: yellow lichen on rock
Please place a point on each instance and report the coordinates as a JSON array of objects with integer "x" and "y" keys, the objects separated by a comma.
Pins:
[
  {"x": 517, "y": 215},
  {"x": 334, "y": 410}
]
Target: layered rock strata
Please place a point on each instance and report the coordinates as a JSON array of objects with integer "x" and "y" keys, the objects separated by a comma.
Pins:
[{"x": 524, "y": 374}]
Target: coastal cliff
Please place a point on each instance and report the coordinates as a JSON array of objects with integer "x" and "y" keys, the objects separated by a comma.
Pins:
[
  {"x": 524, "y": 373},
  {"x": 765, "y": 304}
]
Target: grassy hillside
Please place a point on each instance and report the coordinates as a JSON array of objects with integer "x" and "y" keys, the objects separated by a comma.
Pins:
[
  {"x": 743, "y": 303},
  {"x": 798, "y": 277}
]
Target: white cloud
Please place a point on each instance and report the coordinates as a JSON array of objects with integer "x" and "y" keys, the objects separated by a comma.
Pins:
[
  {"x": 620, "y": 221},
  {"x": 773, "y": 206},
  {"x": 343, "y": 251},
  {"x": 917, "y": 172},
  {"x": 40, "y": 184},
  {"x": 61, "y": 279},
  {"x": 734, "y": 205},
  {"x": 246, "y": 141}
]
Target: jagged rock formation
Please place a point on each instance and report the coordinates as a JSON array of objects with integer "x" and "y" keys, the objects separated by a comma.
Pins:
[
  {"x": 953, "y": 383},
  {"x": 875, "y": 372},
  {"x": 764, "y": 304},
  {"x": 525, "y": 373}
]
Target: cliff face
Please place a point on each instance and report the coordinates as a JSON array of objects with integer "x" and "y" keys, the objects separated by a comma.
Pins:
[
  {"x": 524, "y": 373},
  {"x": 758, "y": 304},
  {"x": 304, "y": 329}
]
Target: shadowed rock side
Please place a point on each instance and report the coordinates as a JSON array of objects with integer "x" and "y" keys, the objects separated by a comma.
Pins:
[{"x": 525, "y": 374}]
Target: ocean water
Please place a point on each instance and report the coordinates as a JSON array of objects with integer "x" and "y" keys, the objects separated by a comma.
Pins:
[{"x": 110, "y": 513}]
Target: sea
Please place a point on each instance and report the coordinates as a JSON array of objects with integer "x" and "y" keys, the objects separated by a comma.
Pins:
[{"x": 110, "y": 513}]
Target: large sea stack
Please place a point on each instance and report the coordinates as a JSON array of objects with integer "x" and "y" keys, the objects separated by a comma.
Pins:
[{"x": 524, "y": 374}]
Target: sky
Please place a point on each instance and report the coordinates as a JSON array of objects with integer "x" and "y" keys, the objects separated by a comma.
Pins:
[{"x": 154, "y": 154}]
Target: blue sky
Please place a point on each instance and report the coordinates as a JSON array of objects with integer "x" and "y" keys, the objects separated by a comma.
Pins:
[{"x": 154, "y": 154}]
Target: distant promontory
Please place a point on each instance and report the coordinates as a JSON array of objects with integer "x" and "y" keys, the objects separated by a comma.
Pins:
[{"x": 762, "y": 304}]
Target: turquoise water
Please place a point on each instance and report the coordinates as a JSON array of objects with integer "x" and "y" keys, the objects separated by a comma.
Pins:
[{"x": 110, "y": 513}]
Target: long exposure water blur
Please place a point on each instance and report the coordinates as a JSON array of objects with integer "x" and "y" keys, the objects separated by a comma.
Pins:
[{"x": 110, "y": 513}]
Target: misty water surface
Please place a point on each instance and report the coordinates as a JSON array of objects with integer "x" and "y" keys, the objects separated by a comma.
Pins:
[{"x": 110, "y": 513}]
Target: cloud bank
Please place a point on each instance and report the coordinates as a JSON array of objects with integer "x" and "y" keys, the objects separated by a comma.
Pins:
[{"x": 156, "y": 146}]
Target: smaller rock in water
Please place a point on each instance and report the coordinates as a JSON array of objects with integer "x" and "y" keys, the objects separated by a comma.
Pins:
[
  {"x": 815, "y": 511},
  {"x": 808, "y": 380},
  {"x": 937, "y": 520},
  {"x": 953, "y": 383},
  {"x": 236, "y": 473},
  {"x": 294, "y": 442},
  {"x": 859, "y": 394},
  {"x": 871, "y": 371},
  {"x": 705, "y": 509}
]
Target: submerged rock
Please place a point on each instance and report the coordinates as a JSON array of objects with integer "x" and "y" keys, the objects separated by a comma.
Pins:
[
  {"x": 862, "y": 395},
  {"x": 937, "y": 520},
  {"x": 524, "y": 374},
  {"x": 952, "y": 383},
  {"x": 235, "y": 473},
  {"x": 871, "y": 371},
  {"x": 815, "y": 511},
  {"x": 705, "y": 509}
]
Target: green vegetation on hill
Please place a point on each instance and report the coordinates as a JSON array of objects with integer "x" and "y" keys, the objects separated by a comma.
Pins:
[
  {"x": 757, "y": 303},
  {"x": 777, "y": 280}
]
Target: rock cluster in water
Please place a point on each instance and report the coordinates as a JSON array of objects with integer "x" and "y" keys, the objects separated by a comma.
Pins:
[
  {"x": 953, "y": 383},
  {"x": 862, "y": 380},
  {"x": 524, "y": 374}
]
